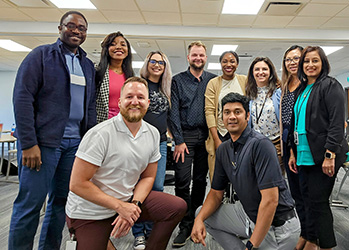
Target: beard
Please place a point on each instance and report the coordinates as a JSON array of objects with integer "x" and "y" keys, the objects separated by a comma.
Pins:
[
  {"x": 133, "y": 117},
  {"x": 196, "y": 67}
]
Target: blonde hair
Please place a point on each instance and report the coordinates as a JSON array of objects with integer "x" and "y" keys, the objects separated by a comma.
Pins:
[
  {"x": 196, "y": 43},
  {"x": 166, "y": 77}
]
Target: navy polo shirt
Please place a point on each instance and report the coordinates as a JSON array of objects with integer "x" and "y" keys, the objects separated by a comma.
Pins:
[{"x": 251, "y": 164}]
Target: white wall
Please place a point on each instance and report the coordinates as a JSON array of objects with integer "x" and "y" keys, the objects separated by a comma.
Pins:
[
  {"x": 343, "y": 79},
  {"x": 7, "y": 79}
]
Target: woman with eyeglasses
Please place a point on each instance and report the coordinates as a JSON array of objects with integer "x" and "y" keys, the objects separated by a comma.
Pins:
[
  {"x": 157, "y": 72},
  {"x": 261, "y": 88},
  {"x": 114, "y": 68},
  {"x": 290, "y": 83},
  {"x": 216, "y": 89},
  {"x": 318, "y": 144}
]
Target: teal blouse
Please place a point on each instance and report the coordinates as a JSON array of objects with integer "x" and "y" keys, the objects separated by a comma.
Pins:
[{"x": 304, "y": 156}]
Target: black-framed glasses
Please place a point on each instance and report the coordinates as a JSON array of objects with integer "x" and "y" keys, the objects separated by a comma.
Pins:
[
  {"x": 161, "y": 63},
  {"x": 295, "y": 59},
  {"x": 73, "y": 26}
]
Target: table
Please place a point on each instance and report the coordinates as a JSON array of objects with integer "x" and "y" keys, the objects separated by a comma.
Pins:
[{"x": 5, "y": 138}]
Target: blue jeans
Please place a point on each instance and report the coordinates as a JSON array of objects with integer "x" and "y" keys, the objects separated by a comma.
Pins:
[
  {"x": 52, "y": 179},
  {"x": 140, "y": 228}
]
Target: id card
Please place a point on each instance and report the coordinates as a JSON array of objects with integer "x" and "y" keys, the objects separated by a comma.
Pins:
[
  {"x": 296, "y": 140},
  {"x": 70, "y": 245}
]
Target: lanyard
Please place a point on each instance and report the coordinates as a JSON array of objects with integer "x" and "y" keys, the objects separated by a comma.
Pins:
[
  {"x": 260, "y": 113},
  {"x": 299, "y": 107}
]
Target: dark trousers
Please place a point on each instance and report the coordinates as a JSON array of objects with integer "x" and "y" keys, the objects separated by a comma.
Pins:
[
  {"x": 163, "y": 209},
  {"x": 293, "y": 181},
  {"x": 197, "y": 157},
  {"x": 316, "y": 188}
]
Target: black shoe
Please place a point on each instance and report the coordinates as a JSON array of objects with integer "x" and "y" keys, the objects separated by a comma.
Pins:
[{"x": 181, "y": 239}]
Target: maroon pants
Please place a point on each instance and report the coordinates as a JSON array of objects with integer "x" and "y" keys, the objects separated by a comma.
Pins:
[{"x": 165, "y": 210}]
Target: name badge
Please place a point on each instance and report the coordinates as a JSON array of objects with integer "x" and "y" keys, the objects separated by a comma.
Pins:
[{"x": 296, "y": 139}]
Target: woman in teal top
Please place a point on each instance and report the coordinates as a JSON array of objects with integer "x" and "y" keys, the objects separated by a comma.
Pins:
[{"x": 318, "y": 144}]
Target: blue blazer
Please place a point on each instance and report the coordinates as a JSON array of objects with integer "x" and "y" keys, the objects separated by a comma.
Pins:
[{"x": 41, "y": 96}]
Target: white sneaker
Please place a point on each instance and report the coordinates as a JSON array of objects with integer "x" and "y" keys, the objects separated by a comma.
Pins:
[{"x": 139, "y": 243}]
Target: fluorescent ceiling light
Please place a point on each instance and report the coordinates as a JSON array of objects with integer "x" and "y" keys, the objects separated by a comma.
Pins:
[
  {"x": 133, "y": 50},
  {"x": 73, "y": 4},
  {"x": 242, "y": 7},
  {"x": 330, "y": 49},
  {"x": 13, "y": 46},
  {"x": 218, "y": 49},
  {"x": 137, "y": 64},
  {"x": 214, "y": 66}
]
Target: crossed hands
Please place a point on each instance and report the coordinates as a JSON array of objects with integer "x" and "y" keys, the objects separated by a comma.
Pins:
[{"x": 128, "y": 215}]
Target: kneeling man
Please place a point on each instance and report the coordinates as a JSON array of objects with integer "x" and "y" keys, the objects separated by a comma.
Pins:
[
  {"x": 112, "y": 178},
  {"x": 265, "y": 213}
]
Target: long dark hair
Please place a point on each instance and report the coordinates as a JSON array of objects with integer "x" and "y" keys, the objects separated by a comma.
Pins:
[
  {"x": 105, "y": 58},
  {"x": 325, "y": 69},
  {"x": 251, "y": 85}
]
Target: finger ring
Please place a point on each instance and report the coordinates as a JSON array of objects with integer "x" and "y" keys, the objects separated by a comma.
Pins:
[{"x": 329, "y": 171}]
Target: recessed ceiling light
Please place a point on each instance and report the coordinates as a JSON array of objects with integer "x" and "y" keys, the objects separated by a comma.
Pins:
[
  {"x": 13, "y": 46},
  {"x": 242, "y": 7},
  {"x": 137, "y": 64},
  {"x": 73, "y": 4},
  {"x": 330, "y": 49},
  {"x": 214, "y": 66},
  {"x": 218, "y": 49}
]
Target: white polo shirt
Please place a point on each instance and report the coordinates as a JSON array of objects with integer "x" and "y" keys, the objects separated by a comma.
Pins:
[{"x": 121, "y": 158}]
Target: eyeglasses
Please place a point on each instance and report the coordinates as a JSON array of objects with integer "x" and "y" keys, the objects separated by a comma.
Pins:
[
  {"x": 73, "y": 26},
  {"x": 295, "y": 59},
  {"x": 161, "y": 63}
]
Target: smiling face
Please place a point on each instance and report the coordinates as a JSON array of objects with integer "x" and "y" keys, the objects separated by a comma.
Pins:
[
  {"x": 134, "y": 101},
  {"x": 197, "y": 58},
  {"x": 229, "y": 65},
  {"x": 154, "y": 68},
  {"x": 261, "y": 73},
  {"x": 292, "y": 60},
  {"x": 235, "y": 119},
  {"x": 118, "y": 49},
  {"x": 312, "y": 66},
  {"x": 72, "y": 38}
]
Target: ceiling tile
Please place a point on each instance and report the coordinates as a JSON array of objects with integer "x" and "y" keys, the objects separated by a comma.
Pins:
[
  {"x": 13, "y": 14},
  {"x": 43, "y": 14},
  {"x": 236, "y": 20},
  {"x": 325, "y": 10},
  {"x": 162, "y": 18},
  {"x": 332, "y": 1},
  {"x": 201, "y": 6},
  {"x": 200, "y": 19},
  {"x": 123, "y": 16},
  {"x": 173, "y": 48},
  {"x": 272, "y": 21},
  {"x": 158, "y": 5},
  {"x": 344, "y": 12},
  {"x": 94, "y": 16},
  {"x": 337, "y": 22},
  {"x": 4, "y": 4},
  {"x": 115, "y": 4},
  {"x": 307, "y": 22}
]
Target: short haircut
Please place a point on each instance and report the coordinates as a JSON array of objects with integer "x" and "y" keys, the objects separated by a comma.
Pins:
[
  {"x": 72, "y": 12},
  {"x": 236, "y": 97},
  {"x": 229, "y": 52},
  {"x": 134, "y": 79},
  {"x": 196, "y": 43}
]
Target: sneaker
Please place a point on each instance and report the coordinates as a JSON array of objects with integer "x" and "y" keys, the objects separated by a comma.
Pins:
[
  {"x": 139, "y": 243},
  {"x": 181, "y": 238}
]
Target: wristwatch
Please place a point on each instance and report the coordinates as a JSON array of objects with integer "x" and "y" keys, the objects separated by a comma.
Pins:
[
  {"x": 138, "y": 203},
  {"x": 250, "y": 246},
  {"x": 329, "y": 155}
]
